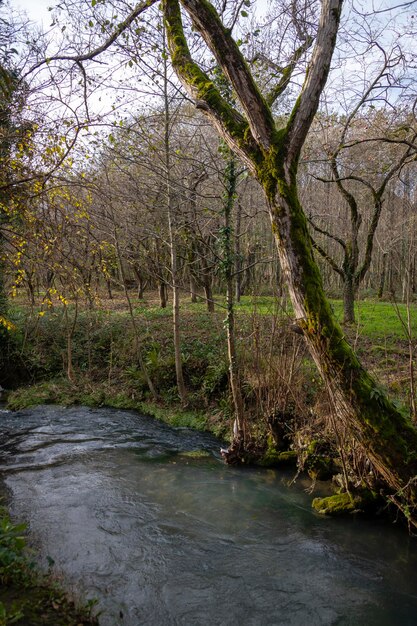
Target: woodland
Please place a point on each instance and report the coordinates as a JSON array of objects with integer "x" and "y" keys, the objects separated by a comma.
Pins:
[{"x": 208, "y": 212}]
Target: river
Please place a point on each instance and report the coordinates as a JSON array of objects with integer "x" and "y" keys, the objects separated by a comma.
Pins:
[{"x": 162, "y": 538}]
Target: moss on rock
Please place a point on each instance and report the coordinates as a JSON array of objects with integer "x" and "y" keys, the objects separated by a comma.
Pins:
[
  {"x": 275, "y": 458},
  {"x": 194, "y": 454},
  {"x": 346, "y": 503}
]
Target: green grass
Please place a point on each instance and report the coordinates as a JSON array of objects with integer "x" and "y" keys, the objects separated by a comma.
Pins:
[
  {"x": 380, "y": 320},
  {"x": 375, "y": 320}
]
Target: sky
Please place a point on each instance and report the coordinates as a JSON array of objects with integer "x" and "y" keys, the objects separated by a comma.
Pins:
[{"x": 37, "y": 10}]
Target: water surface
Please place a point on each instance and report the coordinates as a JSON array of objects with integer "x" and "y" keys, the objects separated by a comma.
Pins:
[{"x": 162, "y": 539}]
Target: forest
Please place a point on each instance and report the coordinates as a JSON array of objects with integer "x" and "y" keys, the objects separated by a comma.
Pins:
[{"x": 208, "y": 215}]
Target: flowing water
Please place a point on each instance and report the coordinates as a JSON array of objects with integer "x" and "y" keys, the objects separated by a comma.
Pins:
[{"x": 160, "y": 538}]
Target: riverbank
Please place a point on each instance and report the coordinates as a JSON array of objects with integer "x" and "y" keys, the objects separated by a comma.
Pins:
[
  {"x": 27, "y": 596},
  {"x": 132, "y": 516},
  {"x": 96, "y": 357}
]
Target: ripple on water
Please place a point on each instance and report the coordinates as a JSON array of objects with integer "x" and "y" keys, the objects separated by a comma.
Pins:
[{"x": 168, "y": 539}]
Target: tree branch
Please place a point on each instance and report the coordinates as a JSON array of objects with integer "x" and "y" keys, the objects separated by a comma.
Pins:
[
  {"x": 89, "y": 56},
  {"x": 287, "y": 72},
  {"x": 327, "y": 258},
  {"x": 232, "y": 126},
  {"x": 228, "y": 56},
  {"x": 326, "y": 233},
  {"x": 318, "y": 70}
]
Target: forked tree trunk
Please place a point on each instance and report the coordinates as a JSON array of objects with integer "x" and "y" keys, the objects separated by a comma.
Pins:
[{"x": 272, "y": 154}]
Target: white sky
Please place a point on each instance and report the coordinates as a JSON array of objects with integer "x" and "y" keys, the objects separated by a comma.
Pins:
[{"x": 37, "y": 10}]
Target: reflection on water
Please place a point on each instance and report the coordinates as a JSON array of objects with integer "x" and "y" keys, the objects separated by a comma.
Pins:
[{"x": 160, "y": 538}]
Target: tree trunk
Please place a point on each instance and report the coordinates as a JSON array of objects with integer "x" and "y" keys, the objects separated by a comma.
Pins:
[
  {"x": 208, "y": 292},
  {"x": 272, "y": 154},
  {"x": 141, "y": 287},
  {"x": 387, "y": 437},
  {"x": 348, "y": 300},
  {"x": 238, "y": 260},
  {"x": 382, "y": 276},
  {"x": 172, "y": 209},
  {"x": 193, "y": 289},
  {"x": 163, "y": 294},
  {"x": 230, "y": 177},
  {"x": 141, "y": 281}
]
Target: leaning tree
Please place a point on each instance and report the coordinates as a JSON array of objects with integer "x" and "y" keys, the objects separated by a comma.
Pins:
[
  {"x": 272, "y": 154},
  {"x": 271, "y": 151}
]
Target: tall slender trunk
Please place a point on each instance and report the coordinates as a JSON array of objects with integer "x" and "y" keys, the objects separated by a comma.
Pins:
[
  {"x": 70, "y": 326},
  {"x": 172, "y": 229},
  {"x": 230, "y": 177},
  {"x": 163, "y": 296},
  {"x": 3, "y": 294},
  {"x": 207, "y": 283},
  {"x": 381, "y": 286},
  {"x": 193, "y": 289},
  {"x": 348, "y": 300},
  {"x": 238, "y": 260}
]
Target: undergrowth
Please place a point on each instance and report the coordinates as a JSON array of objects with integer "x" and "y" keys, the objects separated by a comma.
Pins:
[{"x": 27, "y": 597}]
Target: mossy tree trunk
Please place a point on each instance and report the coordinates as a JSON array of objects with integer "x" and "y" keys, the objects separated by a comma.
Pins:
[
  {"x": 230, "y": 182},
  {"x": 387, "y": 436},
  {"x": 272, "y": 155}
]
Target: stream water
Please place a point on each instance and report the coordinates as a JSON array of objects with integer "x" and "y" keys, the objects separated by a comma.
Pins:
[{"x": 163, "y": 539}]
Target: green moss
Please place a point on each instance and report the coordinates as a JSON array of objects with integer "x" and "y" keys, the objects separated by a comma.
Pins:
[
  {"x": 383, "y": 430},
  {"x": 345, "y": 503},
  {"x": 195, "y": 454},
  {"x": 203, "y": 88},
  {"x": 275, "y": 458}
]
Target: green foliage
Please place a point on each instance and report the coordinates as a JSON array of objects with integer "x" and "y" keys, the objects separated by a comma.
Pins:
[
  {"x": 9, "y": 616},
  {"x": 12, "y": 544},
  {"x": 215, "y": 380},
  {"x": 27, "y": 596}
]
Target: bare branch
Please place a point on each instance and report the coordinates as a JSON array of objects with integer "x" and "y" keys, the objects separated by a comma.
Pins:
[
  {"x": 92, "y": 54},
  {"x": 287, "y": 72},
  {"x": 326, "y": 233},
  {"x": 327, "y": 257},
  {"x": 318, "y": 70}
]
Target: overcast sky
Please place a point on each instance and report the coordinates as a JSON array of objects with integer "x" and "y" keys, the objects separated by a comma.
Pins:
[{"x": 37, "y": 10}]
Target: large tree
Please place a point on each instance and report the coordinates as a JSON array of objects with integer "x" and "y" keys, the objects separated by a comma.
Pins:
[
  {"x": 271, "y": 151},
  {"x": 272, "y": 154}
]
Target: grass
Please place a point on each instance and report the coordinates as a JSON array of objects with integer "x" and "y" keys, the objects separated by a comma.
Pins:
[
  {"x": 380, "y": 320},
  {"x": 375, "y": 320}
]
